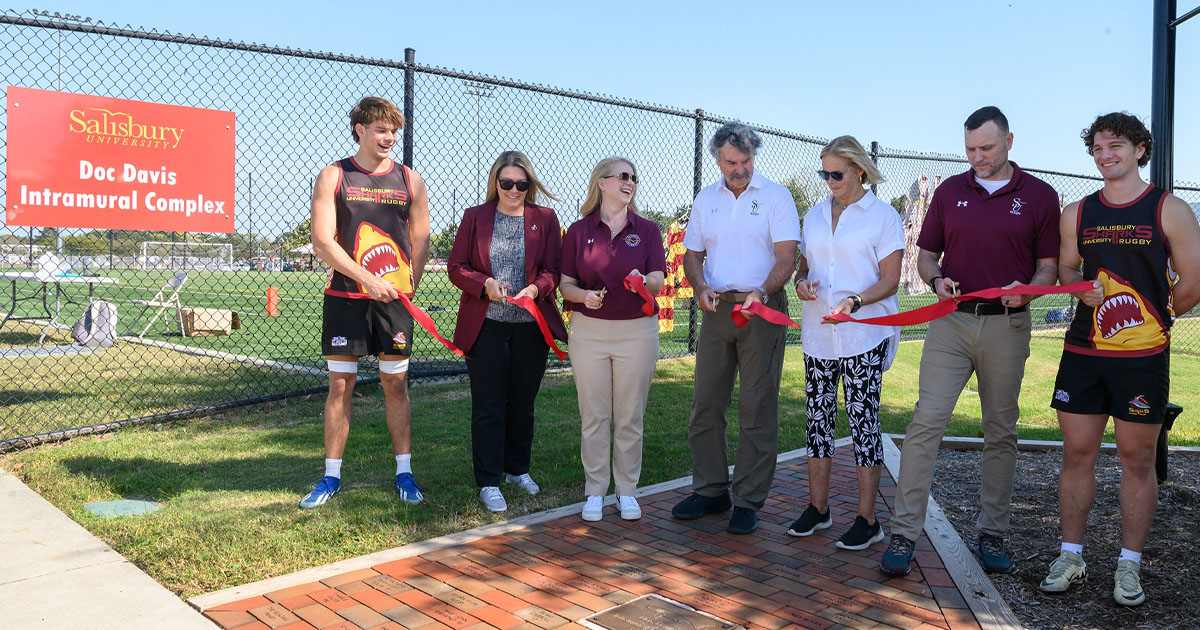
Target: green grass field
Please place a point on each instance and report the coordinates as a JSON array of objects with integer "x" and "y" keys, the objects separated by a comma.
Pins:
[
  {"x": 230, "y": 484},
  {"x": 51, "y": 393}
]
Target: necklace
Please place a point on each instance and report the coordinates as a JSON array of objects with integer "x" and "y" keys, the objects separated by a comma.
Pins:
[{"x": 840, "y": 206}]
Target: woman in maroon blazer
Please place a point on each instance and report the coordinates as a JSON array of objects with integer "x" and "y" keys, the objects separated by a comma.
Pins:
[{"x": 509, "y": 246}]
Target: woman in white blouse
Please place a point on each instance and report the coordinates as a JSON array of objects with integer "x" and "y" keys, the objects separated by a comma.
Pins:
[{"x": 852, "y": 249}]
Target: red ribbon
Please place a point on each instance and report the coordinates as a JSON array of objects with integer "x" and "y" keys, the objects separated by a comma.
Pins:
[
  {"x": 763, "y": 311},
  {"x": 426, "y": 322},
  {"x": 636, "y": 283},
  {"x": 944, "y": 307},
  {"x": 530, "y": 306}
]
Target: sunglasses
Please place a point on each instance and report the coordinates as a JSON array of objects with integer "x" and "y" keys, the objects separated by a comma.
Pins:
[
  {"x": 623, "y": 176},
  {"x": 836, "y": 175},
  {"x": 507, "y": 184}
]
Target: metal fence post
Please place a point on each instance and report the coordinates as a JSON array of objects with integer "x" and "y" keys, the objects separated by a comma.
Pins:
[
  {"x": 875, "y": 161},
  {"x": 410, "y": 56},
  {"x": 696, "y": 156}
]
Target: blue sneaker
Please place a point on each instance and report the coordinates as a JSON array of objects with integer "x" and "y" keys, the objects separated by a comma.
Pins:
[
  {"x": 408, "y": 489},
  {"x": 320, "y": 491}
]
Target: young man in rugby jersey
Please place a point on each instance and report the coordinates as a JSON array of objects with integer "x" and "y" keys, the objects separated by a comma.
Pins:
[
  {"x": 1140, "y": 246},
  {"x": 370, "y": 224}
]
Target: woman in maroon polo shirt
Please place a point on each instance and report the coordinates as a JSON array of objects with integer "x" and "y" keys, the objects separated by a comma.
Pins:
[
  {"x": 509, "y": 246},
  {"x": 614, "y": 330}
]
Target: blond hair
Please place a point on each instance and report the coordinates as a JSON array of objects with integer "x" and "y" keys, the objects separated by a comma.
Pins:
[
  {"x": 604, "y": 168},
  {"x": 849, "y": 148},
  {"x": 521, "y": 161}
]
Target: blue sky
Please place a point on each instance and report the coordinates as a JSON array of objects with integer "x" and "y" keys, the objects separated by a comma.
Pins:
[{"x": 903, "y": 73}]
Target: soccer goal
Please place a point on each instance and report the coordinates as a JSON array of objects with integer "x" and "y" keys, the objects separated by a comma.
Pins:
[{"x": 186, "y": 256}]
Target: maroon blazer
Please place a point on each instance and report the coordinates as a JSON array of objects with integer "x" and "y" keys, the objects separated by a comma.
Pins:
[{"x": 470, "y": 265}]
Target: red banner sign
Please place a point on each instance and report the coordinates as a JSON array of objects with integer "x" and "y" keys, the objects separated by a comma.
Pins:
[{"x": 79, "y": 161}]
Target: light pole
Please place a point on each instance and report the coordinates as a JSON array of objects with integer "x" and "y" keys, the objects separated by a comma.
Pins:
[{"x": 480, "y": 91}]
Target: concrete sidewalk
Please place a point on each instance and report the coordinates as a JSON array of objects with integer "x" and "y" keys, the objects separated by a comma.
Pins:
[{"x": 55, "y": 575}]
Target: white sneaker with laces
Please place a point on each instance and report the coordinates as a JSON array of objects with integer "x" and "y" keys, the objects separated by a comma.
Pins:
[
  {"x": 630, "y": 510},
  {"x": 593, "y": 510},
  {"x": 492, "y": 499},
  {"x": 525, "y": 482}
]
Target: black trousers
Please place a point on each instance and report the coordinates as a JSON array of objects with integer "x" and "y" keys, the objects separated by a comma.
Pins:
[{"x": 506, "y": 367}]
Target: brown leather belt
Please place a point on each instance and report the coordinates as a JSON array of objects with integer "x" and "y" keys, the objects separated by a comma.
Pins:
[{"x": 737, "y": 297}]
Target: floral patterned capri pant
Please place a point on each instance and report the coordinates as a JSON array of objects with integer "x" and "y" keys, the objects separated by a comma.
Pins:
[{"x": 861, "y": 376}]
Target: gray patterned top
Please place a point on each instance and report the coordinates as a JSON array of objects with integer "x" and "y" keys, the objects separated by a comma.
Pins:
[{"x": 507, "y": 252}]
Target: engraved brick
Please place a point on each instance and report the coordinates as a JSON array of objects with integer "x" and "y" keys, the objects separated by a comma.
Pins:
[
  {"x": 332, "y": 599},
  {"x": 712, "y": 586},
  {"x": 274, "y": 615},
  {"x": 387, "y": 584},
  {"x": 804, "y": 619},
  {"x": 407, "y": 616},
  {"x": 295, "y": 591},
  {"x": 362, "y": 616},
  {"x": 540, "y": 617},
  {"x": 318, "y": 615},
  {"x": 460, "y": 600}
]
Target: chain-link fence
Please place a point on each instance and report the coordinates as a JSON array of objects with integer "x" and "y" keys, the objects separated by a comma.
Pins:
[{"x": 291, "y": 109}]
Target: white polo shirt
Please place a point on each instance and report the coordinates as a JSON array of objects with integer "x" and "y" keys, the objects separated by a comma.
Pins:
[
  {"x": 738, "y": 234},
  {"x": 846, "y": 262}
]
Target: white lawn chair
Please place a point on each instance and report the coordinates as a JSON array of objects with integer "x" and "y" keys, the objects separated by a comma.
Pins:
[{"x": 167, "y": 298}]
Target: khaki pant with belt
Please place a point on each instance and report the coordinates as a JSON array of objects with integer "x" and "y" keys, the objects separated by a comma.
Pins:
[
  {"x": 995, "y": 348},
  {"x": 752, "y": 354},
  {"x": 613, "y": 362}
]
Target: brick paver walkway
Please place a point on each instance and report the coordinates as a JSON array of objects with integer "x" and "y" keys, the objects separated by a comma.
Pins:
[{"x": 551, "y": 575}]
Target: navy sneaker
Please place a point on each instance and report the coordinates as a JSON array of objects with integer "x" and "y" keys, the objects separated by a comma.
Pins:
[
  {"x": 992, "y": 554},
  {"x": 861, "y": 535},
  {"x": 320, "y": 491},
  {"x": 408, "y": 489},
  {"x": 743, "y": 521},
  {"x": 810, "y": 521},
  {"x": 697, "y": 505},
  {"x": 897, "y": 560}
]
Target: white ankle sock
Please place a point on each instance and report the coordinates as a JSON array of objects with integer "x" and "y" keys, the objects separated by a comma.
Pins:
[
  {"x": 1126, "y": 554},
  {"x": 404, "y": 463},
  {"x": 1073, "y": 548},
  {"x": 333, "y": 468}
]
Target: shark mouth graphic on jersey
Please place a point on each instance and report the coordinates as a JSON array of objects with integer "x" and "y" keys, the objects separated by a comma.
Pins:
[
  {"x": 1117, "y": 313},
  {"x": 1125, "y": 320},
  {"x": 379, "y": 255}
]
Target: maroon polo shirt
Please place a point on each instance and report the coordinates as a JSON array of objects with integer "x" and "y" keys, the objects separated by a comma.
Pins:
[
  {"x": 597, "y": 261},
  {"x": 991, "y": 240}
]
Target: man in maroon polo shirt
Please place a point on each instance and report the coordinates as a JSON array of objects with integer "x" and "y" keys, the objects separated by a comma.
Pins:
[{"x": 992, "y": 226}]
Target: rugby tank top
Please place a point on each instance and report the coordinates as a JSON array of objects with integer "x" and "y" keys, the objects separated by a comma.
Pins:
[
  {"x": 1123, "y": 247},
  {"x": 372, "y": 226}
]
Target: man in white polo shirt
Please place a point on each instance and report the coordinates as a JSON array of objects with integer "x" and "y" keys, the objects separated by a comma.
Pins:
[{"x": 741, "y": 249}]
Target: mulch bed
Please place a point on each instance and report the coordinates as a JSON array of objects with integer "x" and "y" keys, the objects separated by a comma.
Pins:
[{"x": 1170, "y": 574}]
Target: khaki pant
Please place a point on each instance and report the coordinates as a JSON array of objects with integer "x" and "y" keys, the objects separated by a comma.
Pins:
[
  {"x": 613, "y": 362},
  {"x": 995, "y": 348},
  {"x": 753, "y": 355}
]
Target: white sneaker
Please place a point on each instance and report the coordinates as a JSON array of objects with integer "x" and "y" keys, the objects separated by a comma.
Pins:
[
  {"x": 593, "y": 510},
  {"x": 630, "y": 510},
  {"x": 492, "y": 499},
  {"x": 525, "y": 482}
]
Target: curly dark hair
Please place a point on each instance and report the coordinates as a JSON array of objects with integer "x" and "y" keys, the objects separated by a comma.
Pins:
[{"x": 1121, "y": 124}]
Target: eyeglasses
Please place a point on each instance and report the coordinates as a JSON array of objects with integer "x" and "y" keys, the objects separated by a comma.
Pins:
[
  {"x": 507, "y": 184},
  {"x": 836, "y": 175},
  {"x": 623, "y": 176}
]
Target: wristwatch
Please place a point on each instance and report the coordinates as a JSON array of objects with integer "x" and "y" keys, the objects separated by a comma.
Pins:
[
  {"x": 857, "y": 303},
  {"x": 933, "y": 282},
  {"x": 764, "y": 294}
]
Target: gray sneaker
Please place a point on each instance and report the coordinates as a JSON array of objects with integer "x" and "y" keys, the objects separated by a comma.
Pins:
[
  {"x": 1066, "y": 570},
  {"x": 493, "y": 500},
  {"x": 1127, "y": 583},
  {"x": 524, "y": 482}
]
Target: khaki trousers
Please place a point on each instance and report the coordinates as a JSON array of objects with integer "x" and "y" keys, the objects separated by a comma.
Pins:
[
  {"x": 995, "y": 348},
  {"x": 613, "y": 362},
  {"x": 752, "y": 354}
]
